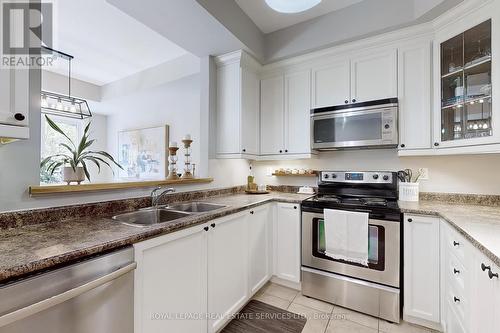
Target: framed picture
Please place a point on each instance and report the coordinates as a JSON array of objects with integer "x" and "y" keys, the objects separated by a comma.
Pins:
[{"x": 143, "y": 153}]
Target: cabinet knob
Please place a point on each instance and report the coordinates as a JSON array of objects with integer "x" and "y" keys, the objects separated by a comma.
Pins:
[
  {"x": 456, "y": 271},
  {"x": 410, "y": 220},
  {"x": 456, "y": 299},
  {"x": 403, "y": 145},
  {"x": 19, "y": 117},
  {"x": 436, "y": 144},
  {"x": 354, "y": 100},
  {"x": 484, "y": 267},
  {"x": 281, "y": 151},
  {"x": 294, "y": 207},
  {"x": 213, "y": 225},
  {"x": 492, "y": 275},
  {"x": 206, "y": 228},
  {"x": 244, "y": 150},
  {"x": 251, "y": 212},
  {"x": 286, "y": 150},
  {"x": 455, "y": 243},
  {"x": 346, "y": 101}
]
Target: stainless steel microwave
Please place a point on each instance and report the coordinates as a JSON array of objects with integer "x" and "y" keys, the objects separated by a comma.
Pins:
[{"x": 362, "y": 125}]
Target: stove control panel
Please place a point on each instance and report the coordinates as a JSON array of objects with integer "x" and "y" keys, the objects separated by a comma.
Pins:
[{"x": 356, "y": 177}]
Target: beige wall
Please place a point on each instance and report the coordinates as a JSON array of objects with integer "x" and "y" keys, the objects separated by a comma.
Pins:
[{"x": 478, "y": 174}]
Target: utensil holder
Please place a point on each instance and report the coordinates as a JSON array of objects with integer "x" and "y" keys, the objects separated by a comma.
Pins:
[{"x": 408, "y": 191}]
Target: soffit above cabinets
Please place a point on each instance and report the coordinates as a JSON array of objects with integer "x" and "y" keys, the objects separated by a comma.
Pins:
[{"x": 269, "y": 20}]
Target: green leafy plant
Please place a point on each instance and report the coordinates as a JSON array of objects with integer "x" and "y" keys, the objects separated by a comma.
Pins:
[{"x": 77, "y": 155}]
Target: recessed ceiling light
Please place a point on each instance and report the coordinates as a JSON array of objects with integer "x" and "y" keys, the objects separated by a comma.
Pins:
[{"x": 292, "y": 6}]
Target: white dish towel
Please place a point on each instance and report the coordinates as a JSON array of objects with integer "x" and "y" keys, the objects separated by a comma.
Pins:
[{"x": 346, "y": 235}]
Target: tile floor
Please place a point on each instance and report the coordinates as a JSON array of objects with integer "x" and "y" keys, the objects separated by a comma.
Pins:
[{"x": 327, "y": 318}]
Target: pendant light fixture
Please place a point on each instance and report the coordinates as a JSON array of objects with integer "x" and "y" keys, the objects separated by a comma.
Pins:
[
  {"x": 64, "y": 105},
  {"x": 292, "y": 6}
]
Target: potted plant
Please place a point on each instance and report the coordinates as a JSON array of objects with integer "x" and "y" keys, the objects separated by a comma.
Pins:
[{"x": 74, "y": 162}]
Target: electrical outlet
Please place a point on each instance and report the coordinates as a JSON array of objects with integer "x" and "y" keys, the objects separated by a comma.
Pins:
[{"x": 424, "y": 173}]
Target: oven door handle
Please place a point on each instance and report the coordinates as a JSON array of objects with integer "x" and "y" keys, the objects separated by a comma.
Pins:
[{"x": 63, "y": 297}]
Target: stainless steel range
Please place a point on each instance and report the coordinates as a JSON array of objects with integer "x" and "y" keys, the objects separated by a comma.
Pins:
[{"x": 372, "y": 289}]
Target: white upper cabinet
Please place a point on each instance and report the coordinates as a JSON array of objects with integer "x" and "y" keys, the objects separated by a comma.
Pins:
[
  {"x": 14, "y": 103},
  {"x": 421, "y": 269},
  {"x": 414, "y": 94},
  {"x": 297, "y": 112},
  {"x": 332, "y": 84},
  {"x": 272, "y": 134},
  {"x": 237, "y": 106},
  {"x": 374, "y": 76},
  {"x": 285, "y": 115}
]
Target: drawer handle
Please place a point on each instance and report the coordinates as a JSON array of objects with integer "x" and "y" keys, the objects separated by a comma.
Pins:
[
  {"x": 456, "y": 271},
  {"x": 213, "y": 225},
  {"x": 456, "y": 299},
  {"x": 251, "y": 212},
  {"x": 410, "y": 220},
  {"x": 206, "y": 228},
  {"x": 492, "y": 275},
  {"x": 455, "y": 243},
  {"x": 484, "y": 267}
]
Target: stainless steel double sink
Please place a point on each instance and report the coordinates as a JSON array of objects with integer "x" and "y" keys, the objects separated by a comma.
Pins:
[{"x": 163, "y": 214}]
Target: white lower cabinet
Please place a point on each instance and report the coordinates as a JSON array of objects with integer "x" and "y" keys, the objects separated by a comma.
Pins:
[
  {"x": 171, "y": 282},
  {"x": 260, "y": 231},
  {"x": 421, "y": 270},
  {"x": 287, "y": 242},
  {"x": 193, "y": 280}
]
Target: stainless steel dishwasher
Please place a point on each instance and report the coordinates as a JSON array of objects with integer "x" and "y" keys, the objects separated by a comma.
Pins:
[{"x": 91, "y": 296}]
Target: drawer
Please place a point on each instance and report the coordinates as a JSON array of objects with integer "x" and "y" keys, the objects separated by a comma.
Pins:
[
  {"x": 456, "y": 300},
  {"x": 455, "y": 273},
  {"x": 455, "y": 243}
]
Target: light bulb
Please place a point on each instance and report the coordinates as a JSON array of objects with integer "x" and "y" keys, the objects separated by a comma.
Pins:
[
  {"x": 475, "y": 126},
  {"x": 44, "y": 102},
  {"x": 59, "y": 105},
  {"x": 73, "y": 107},
  {"x": 485, "y": 126},
  {"x": 481, "y": 101}
]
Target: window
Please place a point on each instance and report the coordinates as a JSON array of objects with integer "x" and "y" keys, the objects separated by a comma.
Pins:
[{"x": 50, "y": 143}]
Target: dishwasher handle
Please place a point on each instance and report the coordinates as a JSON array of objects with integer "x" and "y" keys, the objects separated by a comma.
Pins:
[{"x": 63, "y": 297}]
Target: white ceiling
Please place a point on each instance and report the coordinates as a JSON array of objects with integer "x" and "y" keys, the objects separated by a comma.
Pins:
[
  {"x": 107, "y": 44},
  {"x": 269, "y": 20}
]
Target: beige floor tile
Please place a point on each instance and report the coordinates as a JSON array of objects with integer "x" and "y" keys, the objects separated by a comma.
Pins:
[
  {"x": 273, "y": 300},
  {"x": 404, "y": 327},
  {"x": 280, "y": 291},
  {"x": 343, "y": 314},
  {"x": 313, "y": 303},
  {"x": 346, "y": 326},
  {"x": 317, "y": 321}
]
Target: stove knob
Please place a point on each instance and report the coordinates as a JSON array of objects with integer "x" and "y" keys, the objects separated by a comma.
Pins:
[
  {"x": 375, "y": 177},
  {"x": 386, "y": 177},
  {"x": 326, "y": 176},
  {"x": 334, "y": 176}
]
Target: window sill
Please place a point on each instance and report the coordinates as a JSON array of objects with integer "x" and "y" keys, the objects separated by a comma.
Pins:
[{"x": 99, "y": 187}]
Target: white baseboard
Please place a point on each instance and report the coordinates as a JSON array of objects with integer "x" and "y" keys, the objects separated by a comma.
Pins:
[{"x": 286, "y": 283}]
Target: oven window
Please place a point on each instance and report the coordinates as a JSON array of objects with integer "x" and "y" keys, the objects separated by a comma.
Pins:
[
  {"x": 350, "y": 128},
  {"x": 376, "y": 240}
]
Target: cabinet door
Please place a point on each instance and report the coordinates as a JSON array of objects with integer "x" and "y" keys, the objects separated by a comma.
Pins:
[
  {"x": 482, "y": 302},
  {"x": 271, "y": 116},
  {"x": 374, "y": 76},
  {"x": 415, "y": 102},
  {"x": 331, "y": 84},
  {"x": 14, "y": 97},
  {"x": 171, "y": 278},
  {"x": 227, "y": 268},
  {"x": 228, "y": 109},
  {"x": 250, "y": 90},
  {"x": 298, "y": 113},
  {"x": 421, "y": 267},
  {"x": 287, "y": 242},
  {"x": 260, "y": 246}
]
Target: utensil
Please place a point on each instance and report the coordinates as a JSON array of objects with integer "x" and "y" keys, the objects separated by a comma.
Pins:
[
  {"x": 409, "y": 175},
  {"x": 402, "y": 176}
]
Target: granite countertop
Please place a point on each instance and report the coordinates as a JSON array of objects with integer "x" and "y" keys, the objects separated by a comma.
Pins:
[
  {"x": 33, "y": 248},
  {"x": 478, "y": 224}
]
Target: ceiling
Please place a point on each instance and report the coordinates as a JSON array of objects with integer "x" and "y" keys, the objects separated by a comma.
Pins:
[
  {"x": 107, "y": 44},
  {"x": 269, "y": 20}
]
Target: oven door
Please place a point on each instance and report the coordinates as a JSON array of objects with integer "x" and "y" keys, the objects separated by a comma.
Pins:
[
  {"x": 383, "y": 253},
  {"x": 349, "y": 129}
]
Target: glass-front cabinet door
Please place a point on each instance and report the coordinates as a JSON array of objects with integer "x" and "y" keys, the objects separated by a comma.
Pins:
[{"x": 466, "y": 87}]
